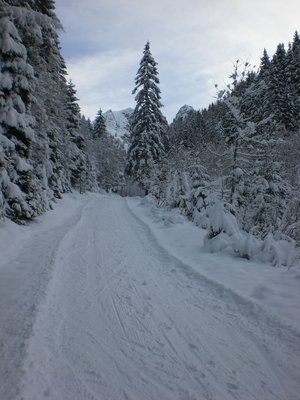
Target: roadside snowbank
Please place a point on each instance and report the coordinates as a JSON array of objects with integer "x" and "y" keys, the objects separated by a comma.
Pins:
[
  {"x": 14, "y": 237},
  {"x": 26, "y": 267},
  {"x": 275, "y": 288},
  {"x": 224, "y": 234}
]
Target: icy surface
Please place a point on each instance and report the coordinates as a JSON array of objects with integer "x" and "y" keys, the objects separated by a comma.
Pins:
[{"x": 106, "y": 299}]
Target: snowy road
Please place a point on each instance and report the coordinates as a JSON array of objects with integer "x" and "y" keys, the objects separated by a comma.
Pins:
[{"x": 124, "y": 319}]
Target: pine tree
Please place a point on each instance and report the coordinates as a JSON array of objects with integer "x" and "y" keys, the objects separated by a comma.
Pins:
[
  {"x": 72, "y": 109},
  {"x": 51, "y": 97},
  {"x": 268, "y": 196},
  {"x": 248, "y": 142},
  {"x": 264, "y": 63},
  {"x": 44, "y": 6},
  {"x": 86, "y": 127},
  {"x": 41, "y": 141},
  {"x": 110, "y": 157},
  {"x": 294, "y": 78},
  {"x": 99, "y": 125},
  {"x": 108, "y": 154},
  {"x": 148, "y": 126},
  {"x": 178, "y": 189},
  {"x": 296, "y": 61},
  {"x": 278, "y": 89},
  {"x": 238, "y": 129},
  {"x": 77, "y": 146},
  {"x": 18, "y": 180}
]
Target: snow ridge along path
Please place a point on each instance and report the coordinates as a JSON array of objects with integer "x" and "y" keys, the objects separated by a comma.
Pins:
[
  {"x": 27, "y": 256},
  {"x": 124, "y": 319}
]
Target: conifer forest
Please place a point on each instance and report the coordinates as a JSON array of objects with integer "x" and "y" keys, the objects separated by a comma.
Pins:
[
  {"x": 242, "y": 150},
  {"x": 230, "y": 170}
]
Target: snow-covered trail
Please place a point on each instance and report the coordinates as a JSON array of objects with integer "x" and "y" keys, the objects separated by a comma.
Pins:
[
  {"x": 124, "y": 319},
  {"x": 25, "y": 269}
]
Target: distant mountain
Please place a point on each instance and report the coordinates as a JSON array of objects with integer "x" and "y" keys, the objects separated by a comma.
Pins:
[
  {"x": 183, "y": 112},
  {"x": 117, "y": 122}
]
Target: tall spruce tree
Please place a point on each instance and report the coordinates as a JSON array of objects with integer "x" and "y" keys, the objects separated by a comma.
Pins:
[
  {"x": 76, "y": 147},
  {"x": 249, "y": 144},
  {"x": 17, "y": 178},
  {"x": 42, "y": 145},
  {"x": 99, "y": 125},
  {"x": 72, "y": 109},
  {"x": 148, "y": 125}
]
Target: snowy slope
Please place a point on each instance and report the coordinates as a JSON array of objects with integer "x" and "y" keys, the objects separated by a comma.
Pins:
[
  {"x": 123, "y": 318},
  {"x": 183, "y": 112},
  {"x": 117, "y": 122}
]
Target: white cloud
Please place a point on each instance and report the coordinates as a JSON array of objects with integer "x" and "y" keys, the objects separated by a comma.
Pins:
[
  {"x": 103, "y": 80},
  {"x": 195, "y": 43}
]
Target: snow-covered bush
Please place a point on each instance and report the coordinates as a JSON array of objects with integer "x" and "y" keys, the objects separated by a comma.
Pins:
[
  {"x": 269, "y": 250},
  {"x": 222, "y": 227},
  {"x": 178, "y": 191},
  {"x": 160, "y": 214},
  {"x": 291, "y": 220},
  {"x": 224, "y": 233}
]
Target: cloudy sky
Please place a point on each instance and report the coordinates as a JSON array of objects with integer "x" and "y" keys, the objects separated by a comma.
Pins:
[{"x": 195, "y": 43}]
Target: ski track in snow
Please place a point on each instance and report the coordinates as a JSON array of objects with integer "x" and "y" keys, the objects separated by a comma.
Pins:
[
  {"x": 124, "y": 319},
  {"x": 23, "y": 281}
]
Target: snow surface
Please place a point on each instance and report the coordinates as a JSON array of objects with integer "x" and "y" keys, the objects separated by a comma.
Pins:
[
  {"x": 26, "y": 260},
  {"x": 277, "y": 289},
  {"x": 183, "y": 112},
  {"x": 107, "y": 298},
  {"x": 117, "y": 122}
]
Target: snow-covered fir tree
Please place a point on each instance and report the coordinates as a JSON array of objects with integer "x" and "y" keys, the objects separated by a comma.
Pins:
[
  {"x": 42, "y": 144},
  {"x": 248, "y": 142},
  {"x": 242, "y": 151},
  {"x": 108, "y": 155},
  {"x": 111, "y": 164},
  {"x": 99, "y": 125},
  {"x": 148, "y": 125},
  {"x": 72, "y": 108},
  {"x": 76, "y": 149},
  {"x": 18, "y": 181}
]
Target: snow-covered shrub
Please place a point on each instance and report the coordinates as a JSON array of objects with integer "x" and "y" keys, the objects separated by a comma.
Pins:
[
  {"x": 268, "y": 194},
  {"x": 221, "y": 220},
  {"x": 178, "y": 191},
  {"x": 217, "y": 243},
  {"x": 281, "y": 252},
  {"x": 222, "y": 227},
  {"x": 247, "y": 246},
  {"x": 161, "y": 214},
  {"x": 224, "y": 233},
  {"x": 199, "y": 194},
  {"x": 269, "y": 250},
  {"x": 291, "y": 220}
]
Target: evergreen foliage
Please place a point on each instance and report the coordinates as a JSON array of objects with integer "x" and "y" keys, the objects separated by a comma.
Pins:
[
  {"x": 108, "y": 154},
  {"x": 238, "y": 158},
  {"x": 42, "y": 145},
  {"x": 148, "y": 126},
  {"x": 99, "y": 125},
  {"x": 248, "y": 142},
  {"x": 18, "y": 180},
  {"x": 76, "y": 149}
]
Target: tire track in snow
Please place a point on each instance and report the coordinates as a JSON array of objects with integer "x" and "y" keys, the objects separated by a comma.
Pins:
[
  {"x": 147, "y": 326},
  {"x": 117, "y": 314},
  {"x": 243, "y": 307},
  {"x": 23, "y": 283}
]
